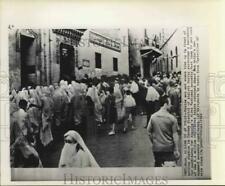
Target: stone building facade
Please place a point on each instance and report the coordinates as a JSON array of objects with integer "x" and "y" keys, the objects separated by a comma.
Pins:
[{"x": 45, "y": 56}]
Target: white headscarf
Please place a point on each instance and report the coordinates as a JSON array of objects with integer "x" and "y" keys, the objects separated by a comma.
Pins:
[
  {"x": 38, "y": 91},
  {"x": 91, "y": 93},
  {"x": 13, "y": 95},
  {"x": 23, "y": 94},
  {"x": 76, "y": 87},
  {"x": 71, "y": 158},
  {"x": 51, "y": 88},
  {"x": 83, "y": 87},
  {"x": 46, "y": 91}
]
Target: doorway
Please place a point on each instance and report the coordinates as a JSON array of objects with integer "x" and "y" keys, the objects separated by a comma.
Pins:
[
  {"x": 67, "y": 62},
  {"x": 146, "y": 67},
  {"x": 28, "y": 64}
]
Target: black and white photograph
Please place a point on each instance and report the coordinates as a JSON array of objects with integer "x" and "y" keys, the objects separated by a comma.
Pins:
[
  {"x": 110, "y": 92},
  {"x": 95, "y": 98}
]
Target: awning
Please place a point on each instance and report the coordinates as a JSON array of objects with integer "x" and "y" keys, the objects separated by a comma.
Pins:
[
  {"x": 153, "y": 51},
  {"x": 27, "y": 33}
]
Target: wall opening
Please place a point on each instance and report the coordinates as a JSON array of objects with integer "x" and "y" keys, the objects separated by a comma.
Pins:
[
  {"x": 146, "y": 67},
  {"x": 98, "y": 60},
  {"x": 67, "y": 62},
  {"x": 115, "y": 64},
  {"x": 28, "y": 64}
]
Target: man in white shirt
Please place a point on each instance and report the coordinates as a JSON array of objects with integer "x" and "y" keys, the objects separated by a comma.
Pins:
[{"x": 151, "y": 97}]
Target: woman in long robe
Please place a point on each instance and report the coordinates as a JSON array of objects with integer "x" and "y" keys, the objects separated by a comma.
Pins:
[
  {"x": 118, "y": 100},
  {"x": 75, "y": 153},
  {"x": 61, "y": 105},
  {"x": 93, "y": 94},
  {"x": 77, "y": 111},
  {"x": 13, "y": 102},
  {"x": 34, "y": 112},
  {"x": 47, "y": 117}
]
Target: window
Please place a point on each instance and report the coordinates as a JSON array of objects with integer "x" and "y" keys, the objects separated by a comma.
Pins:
[
  {"x": 171, "y": 53},
  {"x": 172, "y": 64},
  {"x": 160, "y": 65},
  {"x": 115, "y": 64},
  {"x": 167, "y": 63},
  {"x": 176, "y": 51},
  {"x": 98, "y": 60}
]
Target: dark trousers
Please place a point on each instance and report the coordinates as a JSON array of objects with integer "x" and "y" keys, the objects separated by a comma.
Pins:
[
  {"x": 137, "y": 100},
  {"x": 161, "y": 157},
  {"x": 150, "y": 110}
]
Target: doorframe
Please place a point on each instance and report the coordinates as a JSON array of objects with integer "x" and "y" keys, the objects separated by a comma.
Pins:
[
  {"x": 60, "y": 60},
  {"x": 20, "y": 57}
]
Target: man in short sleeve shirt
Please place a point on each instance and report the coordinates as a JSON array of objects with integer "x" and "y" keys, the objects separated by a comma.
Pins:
[{"x": 162, "y": 129}]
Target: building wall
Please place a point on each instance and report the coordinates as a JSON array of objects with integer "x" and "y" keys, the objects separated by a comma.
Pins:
[
  {"x": 137, "y": 37},
  {"x": 87, "y": 50},
  {"x": 161, "y": 63},
  {"x": 15, "y": 50},
  {"x": 55, "y": 54},
  {"x": 14, "y": 65},
  {"x": 47, "y": 55}
]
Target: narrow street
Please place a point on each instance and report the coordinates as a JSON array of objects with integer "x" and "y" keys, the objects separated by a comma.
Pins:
[{"x": 131, "y": 149}]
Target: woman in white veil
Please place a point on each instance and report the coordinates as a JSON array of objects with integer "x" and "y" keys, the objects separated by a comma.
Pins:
[
  {"x": 75, "y": 153},
  {"x": 93, "y": 94}
]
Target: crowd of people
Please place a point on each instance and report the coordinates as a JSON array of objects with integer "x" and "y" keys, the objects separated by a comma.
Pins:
[{"x": 42, "y": 115}]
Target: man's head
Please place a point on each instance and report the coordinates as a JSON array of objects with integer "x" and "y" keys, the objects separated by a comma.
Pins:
[
  {"x": 111, "y": 90},
  {"x": 128, "y": 92},
  {"x": 150, "y": 81},
  {"x": 165, "y": 102},
  {"x": 23, "y": 104},
  {"x": 172, "y": 83}
]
